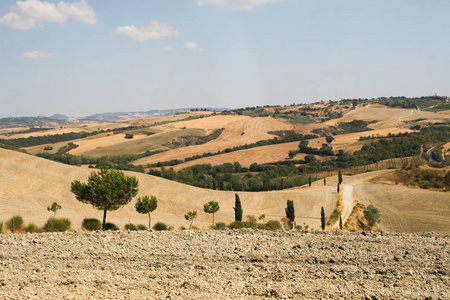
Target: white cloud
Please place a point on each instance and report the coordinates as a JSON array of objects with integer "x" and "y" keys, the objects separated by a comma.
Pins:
[
  {"x": 154, "y": 30},
  {"x": 79, "y": 11},
  {"x": 37, "y": 54},
  {"x": 234, "y": 4},
  {"x": 27, "y": 14},
  {"x": 192, "y": 46}
]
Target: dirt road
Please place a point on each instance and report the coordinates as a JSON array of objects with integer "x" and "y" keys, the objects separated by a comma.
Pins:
[{"x": 347, "y": 204}]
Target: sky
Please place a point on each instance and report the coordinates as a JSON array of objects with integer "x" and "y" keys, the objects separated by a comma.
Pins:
[{"x": 80, "y": 57}]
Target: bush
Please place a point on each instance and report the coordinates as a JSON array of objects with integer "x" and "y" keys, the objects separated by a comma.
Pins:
[
  {"x": 130, "y": 227},
  {"x": 193, "y": 227},
  {"x": 59, "y": 224},
  {"x": 160, "y": 226},
  {"x": 31, "y": 228},
  {"x": 91, "y": 224},
  {"x": 111, "y": 226},
  {"x": 236, "y": 225},
  {"x": 262, "y": 226},
  {"x": 1, "y": 227},
  {"x": 15, "y": 224},
  {"x": 141, "y": 227},
  {"x": 273, "y": 225},
  {"x": 220, "y": 226}
]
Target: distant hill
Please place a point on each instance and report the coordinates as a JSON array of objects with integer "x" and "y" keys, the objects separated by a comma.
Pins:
[
  {"x": 123, "y": 116},
  {"x": 59, "y": 117},
  {"x": 30, "y": 122}
]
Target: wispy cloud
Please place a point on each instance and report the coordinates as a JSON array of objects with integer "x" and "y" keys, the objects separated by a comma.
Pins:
[
  {"x": 28, "y": 14},
  {"x": 234, "y": 4},
  {"x": 37, "y": 54},
  {"x": 154, "y": 30},
  {"x": 191, "y": 46}
]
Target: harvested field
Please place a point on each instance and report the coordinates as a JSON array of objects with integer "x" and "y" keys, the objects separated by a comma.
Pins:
[
  {"x": 386, "y": 117},
  {"x": 260, "y": 155},
  {"x": 239, "y": 130},
  {"x": 406, "y": 209},
  {"x": 241, "y": 264},
  {"x": 139, "y": 144}
]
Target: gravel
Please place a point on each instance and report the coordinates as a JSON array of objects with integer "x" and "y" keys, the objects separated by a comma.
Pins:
[{"x": 228, "y": 264}]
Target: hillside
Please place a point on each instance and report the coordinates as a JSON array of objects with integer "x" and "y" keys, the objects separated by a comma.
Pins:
[{"x": 30, "y": 184}]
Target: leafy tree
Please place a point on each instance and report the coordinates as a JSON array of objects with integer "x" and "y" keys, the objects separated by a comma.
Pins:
[
  {"x": 372, "y": 215},
  {"x": 262, "y": 217},
  {"x": 340, "y": 176},
  {"x": 237, "y": 208},
  {"x": 329, "y": 139},
  {"x": 54, "y": 208},
  {"x": 292, "y": 153},
  {"x": 211, "y": 208},
  {"x": 290, "y": 212},
  {"x": 106, "y": 190},
  {"x": 146, "y": 205},
  {"x": 129, "y": 135},
  {"x": 322, "y": 218},
  {"x": 190, "y": 216}
]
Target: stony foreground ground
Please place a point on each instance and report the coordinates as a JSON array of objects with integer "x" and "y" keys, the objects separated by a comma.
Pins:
[{"x": 242, "y": 264}]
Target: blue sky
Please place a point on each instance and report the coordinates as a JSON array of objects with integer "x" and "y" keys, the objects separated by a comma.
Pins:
[{"x": 79, "y": 57}]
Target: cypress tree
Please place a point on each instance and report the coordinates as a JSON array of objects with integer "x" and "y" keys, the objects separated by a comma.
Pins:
[
  {"x": 340, "y": 176},
  {"x": 290, "y": 212},
  {"x": 322, "y": 218},
  {"x": 309, "y": 181},
  {"x": 324, "y": 181},
  {"x": 340, "y": 222},
  {"x": 237, "y": 208},
  {"x": 338, "y": 188}
]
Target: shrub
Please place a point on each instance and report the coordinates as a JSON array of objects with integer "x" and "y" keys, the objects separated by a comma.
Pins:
[
  {"x": 141, "y": 227},
  {"x": 91, "y": 224},
  {"x": 130, "y": 227},
  {"x": 1, "y": 227},
  {"x": 160, "y": 226},
  {"x": 236, "y": 225},
  {"x": 31, "y": 228},
  {"x": 195, "y": 227},
  {"x": 59, "y": 224},
  {"x": 251, "y": 222},
  {"x": 220, "y": 226},
  {"x": 111, "y": 226},
  {"x": 262, "y": 226},
  {"x": 298, "y": 227},
  {"x": 15, "y": 224},
  {"x": 273, "y": 225}
]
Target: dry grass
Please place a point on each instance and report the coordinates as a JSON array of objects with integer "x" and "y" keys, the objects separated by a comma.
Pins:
[{"x": 30, "y": 184}]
